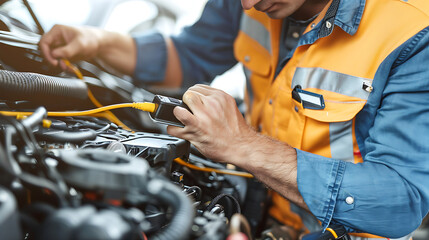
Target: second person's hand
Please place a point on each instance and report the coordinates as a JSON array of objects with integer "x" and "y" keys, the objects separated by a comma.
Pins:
[{"x": 66, "y": 42}]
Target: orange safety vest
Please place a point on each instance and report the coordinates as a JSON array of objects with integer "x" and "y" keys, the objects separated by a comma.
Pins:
[{"x": 340, "y": 67}]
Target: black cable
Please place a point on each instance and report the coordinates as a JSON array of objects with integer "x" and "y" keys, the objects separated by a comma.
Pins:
[
  {"x": 29, "y": 139},
  {"x": 33, "y": 15},
  {"x": 27, "y": 178},
  {"x": 232, "y": 199},
  {"x": 195, "y": 189},
  {"x": 12, "y": 167},
  {"x": 26, "y": 134}
]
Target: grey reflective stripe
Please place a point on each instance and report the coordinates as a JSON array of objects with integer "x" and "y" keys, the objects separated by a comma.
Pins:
[
  {"x": 255, "y": 30},
  {"x": 249, "y": 88},
  {"x": 408, "y": 237},
  {"x": 331, "y": 81},
  {"x": 341, "y": 140}
]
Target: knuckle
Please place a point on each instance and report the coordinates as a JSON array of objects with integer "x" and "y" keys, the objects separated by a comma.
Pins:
[
  {"x": 67, "y": 52},
  {"x": 80, "y": 42}
]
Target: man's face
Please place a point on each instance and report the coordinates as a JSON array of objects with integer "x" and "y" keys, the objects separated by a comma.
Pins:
[{"x": 274, "y": 8}]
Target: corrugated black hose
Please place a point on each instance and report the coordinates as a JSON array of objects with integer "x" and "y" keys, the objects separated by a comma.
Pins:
[{"x": 34, "y": 86}]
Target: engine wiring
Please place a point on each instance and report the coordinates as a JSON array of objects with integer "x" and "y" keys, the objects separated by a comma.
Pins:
[
  {"x": 53, "y": 183},
  {"x": 144, "y": 106},
  {"x": 108, "y": 115},
  {"x": 334, "y": 234},
  {"x": 206, "y": 169}
]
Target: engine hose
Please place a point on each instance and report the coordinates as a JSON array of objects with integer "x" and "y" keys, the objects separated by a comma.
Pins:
[
  {"x": 64, "y": 137},
  {"x": 183, "y": 211},
  {"x": 35, "y": 118},
  {"x": 34, "y": 86}
]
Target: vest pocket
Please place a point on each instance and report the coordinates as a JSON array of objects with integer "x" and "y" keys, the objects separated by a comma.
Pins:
[
  {"x": 338, "y": 107},
  {"x": 329, "y": 132}
]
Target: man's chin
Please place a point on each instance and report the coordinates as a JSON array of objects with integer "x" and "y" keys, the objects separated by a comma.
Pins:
[{"x": 275, "y": 15}]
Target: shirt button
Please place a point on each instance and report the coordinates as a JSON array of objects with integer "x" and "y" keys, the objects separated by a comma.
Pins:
[
  {"x": 247, "y": 58},
  {"x": 296, "y": 109},
  {"x": 328, "y": 25},
  {"x": 312, "y": 25},
  {"x": 270, "y": 101},
  {"x": 295, "y": 35},
  {"x": 350, "y": 200}
]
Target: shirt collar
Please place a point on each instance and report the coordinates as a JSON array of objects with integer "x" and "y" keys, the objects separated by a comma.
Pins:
[{"x": 349, "y": 15}]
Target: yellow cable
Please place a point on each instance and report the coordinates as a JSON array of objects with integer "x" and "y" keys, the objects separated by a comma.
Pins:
[
  {"x": 145, "y": 106},
  {"x": 332, "y": 232},
  {"x": 205, "y": 169},
  {"x": 46, "y": 123},
  {"x": 108, "y": 115},
  {"x": 73, "y": 68}
]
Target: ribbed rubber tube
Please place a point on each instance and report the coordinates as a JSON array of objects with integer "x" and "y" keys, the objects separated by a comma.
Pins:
[
  {"x": 183, "y": 213},
  {"x": 34, "y": 86}
]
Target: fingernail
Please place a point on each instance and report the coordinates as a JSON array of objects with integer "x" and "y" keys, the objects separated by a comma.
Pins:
[{"x": 187, "y": 97}]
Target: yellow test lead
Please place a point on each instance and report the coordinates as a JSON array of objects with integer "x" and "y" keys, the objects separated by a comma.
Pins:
[{"x": 144, "y": 106}]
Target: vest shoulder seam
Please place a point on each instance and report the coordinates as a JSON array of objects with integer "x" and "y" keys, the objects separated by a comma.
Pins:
[
  {"x": 418, "y": 9},
  {"x": 410, "y": 46}
]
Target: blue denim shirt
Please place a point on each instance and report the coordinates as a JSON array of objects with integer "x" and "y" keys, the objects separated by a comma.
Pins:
[{"x": 388, "y": 194}]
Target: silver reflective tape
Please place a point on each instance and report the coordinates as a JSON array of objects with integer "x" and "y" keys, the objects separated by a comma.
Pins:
[
  {"x": 255, "y": 30},
  {"x": 331, "y": 81},
  {"x": 249, "y": 88},
  {"x": 341, "y": 140},
  {"x": 408, "y": 237}
]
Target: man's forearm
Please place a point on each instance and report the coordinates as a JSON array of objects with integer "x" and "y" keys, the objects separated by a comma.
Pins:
[
  {"x": 274, "y": 163},
  {"x": 120, "y": 52}
]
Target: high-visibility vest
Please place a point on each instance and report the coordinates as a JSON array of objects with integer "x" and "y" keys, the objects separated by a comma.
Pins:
[{"x": 340, "y": 67}]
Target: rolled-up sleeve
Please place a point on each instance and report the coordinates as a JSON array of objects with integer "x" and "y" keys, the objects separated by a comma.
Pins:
[
  {"x": 151, "y": 58},
  {"x": 205, "y": 49},
  {"x": 387, "y": 194}
]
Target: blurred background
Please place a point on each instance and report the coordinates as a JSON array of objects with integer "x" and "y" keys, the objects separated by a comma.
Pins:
[{"x": 126, "y": 16}]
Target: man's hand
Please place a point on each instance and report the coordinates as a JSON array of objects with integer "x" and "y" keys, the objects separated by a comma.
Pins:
[
  {"x": 70, "y": 43},
  {"x": 216, "y": 127},
  {"x": 85, "y": 43},
  {"x": 218, "y": 130}
]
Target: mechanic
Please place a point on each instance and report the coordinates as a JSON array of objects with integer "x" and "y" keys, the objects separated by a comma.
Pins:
[{"x": 337, "y": 90}]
